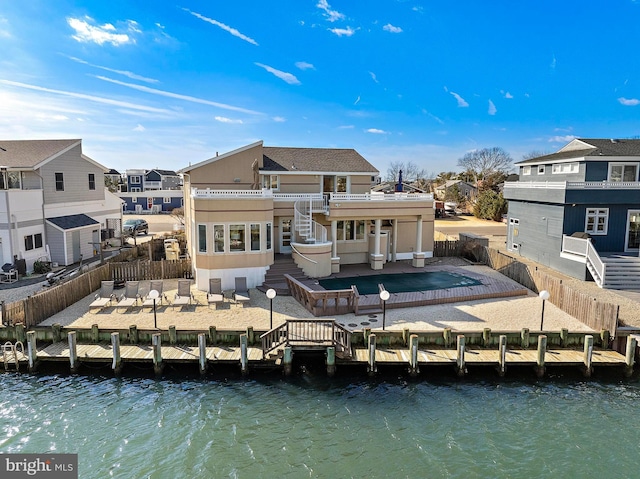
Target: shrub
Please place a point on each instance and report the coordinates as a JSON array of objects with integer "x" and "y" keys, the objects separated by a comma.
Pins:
[{"x": 490, "y": 206}]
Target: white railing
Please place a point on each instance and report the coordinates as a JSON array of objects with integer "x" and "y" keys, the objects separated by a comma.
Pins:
[
  {"x": 381, "y": 197},
  {"x": 296, "y": 196},
  {"x": 574, "y": 185},
  {"x": 574, "y": 245},
  {"x": 584, "y": 247},
  {"x": 209, "y": 193},
  {"x": 310, "y": 231},
  {"x": 296, "y": 251}
]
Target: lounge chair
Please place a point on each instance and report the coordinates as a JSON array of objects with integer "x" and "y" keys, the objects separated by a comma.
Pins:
[
  {"x": 241, "y": 293},
  {"x": 184, "y": 297},
  {"x": 130, "y": 297},
  {"x": 215, "y": 292},
  {"x": 105, "y": 297},
  {"x": 155, "y": 285}
]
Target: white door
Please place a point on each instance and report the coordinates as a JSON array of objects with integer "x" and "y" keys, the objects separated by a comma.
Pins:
[
  {"x": 285, "y": 235},
  {"x": 632, "y": 239}
]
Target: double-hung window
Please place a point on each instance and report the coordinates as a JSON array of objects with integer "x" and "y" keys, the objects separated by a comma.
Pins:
[
  {"x": 59, "y": 181},
  {"x": 92, "y": 181},
  {"x": 271, "y": 182},
  {"x": 202, "y": 238}
]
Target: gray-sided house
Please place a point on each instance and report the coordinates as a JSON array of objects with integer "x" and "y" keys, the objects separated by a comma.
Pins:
[
  {"x": 578, "y": 211},
  {"x": 53, "y": 202}
]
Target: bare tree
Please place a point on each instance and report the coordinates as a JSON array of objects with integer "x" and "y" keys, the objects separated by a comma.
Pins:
[
  {"x": 178, "y": 214},
  {"x": 534, "y": 154},
  {"x": 410, "y": 171},
  {"x": 486, "y": 162}
]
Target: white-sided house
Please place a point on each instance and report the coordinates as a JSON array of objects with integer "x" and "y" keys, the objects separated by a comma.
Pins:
[
  {"x": 53, "y": 203},
  {"x": 315, "y": 204}
]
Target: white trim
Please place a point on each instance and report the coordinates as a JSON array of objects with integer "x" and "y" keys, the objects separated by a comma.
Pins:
[
  {"x": 622, "y": 163},
  {"x": 574, "y": 257},
  {"x": 561, "y": 164},
  {"x": 323, "y": 173},
  {"x": 596, "y": 214},
  {"x": 626, "y": 230}
]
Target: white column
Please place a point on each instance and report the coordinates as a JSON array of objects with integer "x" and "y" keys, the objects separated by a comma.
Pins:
[
  {"x": 376, "y": 242},
  {"x": 419, "y": 235},
  {"x": 334, "y": 238},
  {"x": 394, "y": 251}
]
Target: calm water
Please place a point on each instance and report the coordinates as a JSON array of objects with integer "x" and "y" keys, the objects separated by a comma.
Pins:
[{"x": 311, "y": 426}]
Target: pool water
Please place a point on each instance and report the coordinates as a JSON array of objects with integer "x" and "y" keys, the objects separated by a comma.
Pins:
[{"x": 401, "y": 283}]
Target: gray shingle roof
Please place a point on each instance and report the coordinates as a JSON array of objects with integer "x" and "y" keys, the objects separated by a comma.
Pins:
[
  {"x": 315, "y": 159},
  {"x": 72, "y": 221},
  {"x": 28, "y": 153},
  {"x": 601, "y": 147}
]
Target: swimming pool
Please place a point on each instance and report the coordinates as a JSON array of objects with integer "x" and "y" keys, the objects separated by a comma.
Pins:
[{"x": 401, "y": 283}]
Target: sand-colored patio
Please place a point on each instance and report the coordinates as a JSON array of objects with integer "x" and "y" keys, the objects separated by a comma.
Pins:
[{"x": 509, "y": 314}]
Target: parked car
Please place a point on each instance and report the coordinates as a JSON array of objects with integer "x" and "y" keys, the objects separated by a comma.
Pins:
[{"x": 135, "y": 227}]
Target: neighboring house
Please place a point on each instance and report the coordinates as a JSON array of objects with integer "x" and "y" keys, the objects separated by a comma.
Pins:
[
  {"x": 135, "y": 180},
  {"x": 578, "y": 211},
  {"x": 151, "y": 201},
  {"x": 139, "y": 180},
  {"x": 53, "y": 202},
  {"x": 245, "y": 206},
  {"x": 114, "y": 176},
  {"x": 466, "y": 190}
]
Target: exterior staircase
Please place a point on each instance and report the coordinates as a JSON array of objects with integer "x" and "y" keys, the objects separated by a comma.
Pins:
[
  {"x": 621, "y": 272},
  {"x": 274, "y": 278}
]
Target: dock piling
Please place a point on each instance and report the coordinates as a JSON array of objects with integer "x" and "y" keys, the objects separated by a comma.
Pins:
[
  {"x": 564, "y": 337},
  {"x": 95, "y": 334},
  {"x": 413, "y": 351},
  {"x": 202, "y": 349},
  {"x": 32, "y": 352},
  {"x": 460, "y": 366},
  {"x": 331, "y": 361},
  {"x": 73, "y": 352},
  {"x": 486, "y": 337},
  {"x": 502, "y": 361},
  {"x": 371, "y": 367},
  {"x": 287, "y": 360},
  {"x": 116, "y": 365},
  {"x": 524, "y": 338},
  {"x": 244, "y": 359},
  {"x": 588, "y": 355},
  {"x": 133, "y": 334},
  {"x": 172, "y": 335},
  {"x": 156, "y": 342},
  {"x": 446, "y": 335},
  {"x": 20, "y": 334},
  {"x": 630, "y": 356},
  {"x": 542, "y": 349},
  {"x": 213, "y": 335},
  {"x": 56, "y": 331}
]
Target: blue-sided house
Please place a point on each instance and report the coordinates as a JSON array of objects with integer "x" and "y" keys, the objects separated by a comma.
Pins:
[
  {"x": 151, "y": 201},
  {"x": 578, "y": 211}
]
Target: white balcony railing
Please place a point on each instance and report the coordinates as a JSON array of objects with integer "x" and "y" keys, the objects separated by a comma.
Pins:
[
  {"x": 583, "y": 247},
  {"x": 574, "y": 185},
  {"x": 381, "y": 197},
  {"x": 318, "y": 199},
  {"x": 200, "y": 193}
]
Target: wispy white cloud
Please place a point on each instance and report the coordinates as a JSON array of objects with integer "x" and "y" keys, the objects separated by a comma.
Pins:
[
  {"x": 178, "y": 96},
  {"x": 305, "y": 66},
  {"x": 343, "y": 32},
  {"x": 373, "y": 77},
  {"x": 4, "y": 28},
  {"x": 461, "y": 101},
  {"x": 97, "y": 99},
  {"x": 284, "y": 76},
  {"x": 390, "y": 28},
  {"x": 85, "y": 32},
  {"x": 346, "y": 127},
  {"x": 139, "y": 128},
  {"x": 49, "y": 117},
  {"x": 223, "y": 119},
  {"x": 226, "y": 28},
  {"x": 330, "y": 15},
  {"x": 357, "y": 100},
  {"x": 562, "y": 139},
  {"x": 565, "y": 130},
  {"x": 628, "y": 101},
  {"x": 126, "y": 73},
  {"x": 279, "y": 119},
  {"x": 492, "y": 108},
  {"x": 376, "y": 131},
  {"x": 426, "y": 112},
  {"x": 506, "y": 94},
  {"x": 553, "y": 63}
]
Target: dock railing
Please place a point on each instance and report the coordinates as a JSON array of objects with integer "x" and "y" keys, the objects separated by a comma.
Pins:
[{"x": 309, "y": 333}]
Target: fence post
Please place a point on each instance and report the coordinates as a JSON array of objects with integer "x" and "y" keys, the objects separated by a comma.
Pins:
[
  {"x": 95, "y": 333},
  {"x": 486, "y": 337},
  {"x": 524, "y": 336},
  {"x": 3, "y": 313},
  {"x": 20, "y": 336},
  {"x": 446, "y": 335},
  {"x": 213, "y": 335},
  {"x": 133, "y": 334},
  {"x": 56, "y": 331},
  {"x": 173, "y": 338}
]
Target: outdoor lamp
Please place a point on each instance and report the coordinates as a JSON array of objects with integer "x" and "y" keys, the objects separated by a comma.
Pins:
[
  {"x": 544, "y": 295},
  {"x": 384, "y": 296},
  {"x": 153, "y": 294},
  {"x": 271, "y": 293}
]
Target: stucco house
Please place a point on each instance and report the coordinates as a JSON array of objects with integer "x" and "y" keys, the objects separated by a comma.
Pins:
[
  {"x": 578, "y": 211},
  {"x": 246, "y": 206},
  {"x": 53, "y": 202}
]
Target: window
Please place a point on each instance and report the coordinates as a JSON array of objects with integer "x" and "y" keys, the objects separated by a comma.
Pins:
[
  {"x": 202, "y": 238},
  {"x": 271, "y": 182},
  {"x": 341, "y": 184},
  {"x": 236, "y": 238},
  {"x": 623, "y": 172},
  {"x": 597, "y": 221},
  {"x": 33, "y": 241},
  {"x": 218, "y": 238},
  {"x": 59, "y": 182},
  {"x": 541, "y": 169},
  {"x": 135, "y": 190},
  {"x": 268, "y": 236},
  {"x": 135, "y": 180},
  {"x": 13, "y": 180},
  {"x": 255, "y": 237},
  {"x": 526, "y": 170},
  {"x": 92, "y": 181},
  {"x": 166, "y": 200},
  {"x": 350, "y": 230},
  {"x": 563, "y": 168}
]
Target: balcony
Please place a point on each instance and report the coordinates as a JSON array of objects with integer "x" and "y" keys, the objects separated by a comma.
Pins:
[{"x": 562, "y": 192}]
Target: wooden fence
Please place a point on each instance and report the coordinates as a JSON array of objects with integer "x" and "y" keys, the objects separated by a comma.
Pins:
[
  {"x": 446, "y": 248},
  {"x": 35, "y": 309},
  {"x": 595, "y": 314}
]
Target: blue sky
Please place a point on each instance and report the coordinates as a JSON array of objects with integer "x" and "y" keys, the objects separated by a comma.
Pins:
[{"x": 163, "y": 84}]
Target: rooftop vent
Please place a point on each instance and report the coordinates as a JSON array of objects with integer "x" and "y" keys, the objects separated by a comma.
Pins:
[{"x": 613, "y": 140}]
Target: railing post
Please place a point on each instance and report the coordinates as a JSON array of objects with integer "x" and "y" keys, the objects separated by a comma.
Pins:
[{"x": 588, "y": 355}]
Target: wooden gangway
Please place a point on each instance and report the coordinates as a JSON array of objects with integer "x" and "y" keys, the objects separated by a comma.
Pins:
[{"x": 308, "y": 334}]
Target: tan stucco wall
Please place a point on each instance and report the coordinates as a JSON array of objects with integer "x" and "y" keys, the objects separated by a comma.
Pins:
[{"x": 221, "y": 172}]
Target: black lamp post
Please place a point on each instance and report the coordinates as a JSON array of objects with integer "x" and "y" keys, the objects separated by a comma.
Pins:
[
  {"x": 384, "y": 296},
  {"x": 153, "y": 294},
  {"x": 271, "y": 293},
  {"x": 544, "y": 295}
]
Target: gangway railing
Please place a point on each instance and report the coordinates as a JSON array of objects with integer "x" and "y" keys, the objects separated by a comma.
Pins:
[{"x": 306, "y": 333}]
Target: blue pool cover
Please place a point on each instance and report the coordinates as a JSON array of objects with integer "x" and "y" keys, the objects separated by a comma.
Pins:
[{"x": 401, "y": 283}]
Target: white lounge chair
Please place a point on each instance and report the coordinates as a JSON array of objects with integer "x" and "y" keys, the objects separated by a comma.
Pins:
[
  {"x": 156, "y": 285},
  {"x": 215, "y": 292},
  {"x": 184, "y": 297},
  {"x": 105, "y": 297},
  {"x": 130, "y": 297},
  {"x": 241, "y": 293}
]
